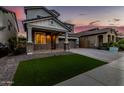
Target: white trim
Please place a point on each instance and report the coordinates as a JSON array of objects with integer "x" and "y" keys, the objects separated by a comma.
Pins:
[
  {"x": 49, "y": 28},
  {"x": 29, "y": 41},
  {"x": 69, "y": 37},
  {"x": 30, "y": 53}
]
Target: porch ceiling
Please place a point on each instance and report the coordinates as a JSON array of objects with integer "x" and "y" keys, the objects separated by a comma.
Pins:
[{"x": 47, "y": 30}]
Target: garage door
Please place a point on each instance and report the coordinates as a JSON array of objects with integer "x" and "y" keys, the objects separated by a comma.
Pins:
[
  {"x": 61, "y": 44},
  {"x": 72, "y": 43}
]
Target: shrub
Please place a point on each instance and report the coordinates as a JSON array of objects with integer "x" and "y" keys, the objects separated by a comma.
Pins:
[
  {"x": 12, "y": 43},
  {"x": 19, "y": 50},
  {"x": 17, "y": 47},
  {"x": 121, "y": 44},
  {"x": 121, "y": 41},
  {"x": 114, "y": 44}
]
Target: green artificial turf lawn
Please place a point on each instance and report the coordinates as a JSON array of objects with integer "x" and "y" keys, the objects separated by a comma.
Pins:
[{"x": 52, "y": 70}]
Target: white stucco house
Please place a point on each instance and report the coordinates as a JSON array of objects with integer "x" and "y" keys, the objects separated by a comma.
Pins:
[
  {"x": 8, "y": 25},
  {"x": 45, "y": 31}
]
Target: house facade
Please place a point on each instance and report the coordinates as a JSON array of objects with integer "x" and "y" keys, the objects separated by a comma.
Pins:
[
  {"x": 8, "y": 25},
  {"x": 97, "y": 37},
  {"x": 45, "y": 31}
]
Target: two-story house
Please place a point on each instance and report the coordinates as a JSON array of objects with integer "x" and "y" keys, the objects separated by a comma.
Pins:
[
  {"x": 8, "y": 25},
  {"x": 45, "y": 31}
]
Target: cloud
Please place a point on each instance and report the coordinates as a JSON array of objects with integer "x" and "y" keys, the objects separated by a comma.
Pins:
[
  {"x": 112, "y": 24},
  {"x": 94, "y": 22},
  {"x": 19, "y": 10},
  {"x": 109, "y": 20},
  {"x": 116, "y": 19},
  {"x": 69, "y": 21},
  {"x": 82, "y": 14}
]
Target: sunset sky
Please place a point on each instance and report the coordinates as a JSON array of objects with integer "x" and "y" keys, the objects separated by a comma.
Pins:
[{"x": 84, "y": 17}]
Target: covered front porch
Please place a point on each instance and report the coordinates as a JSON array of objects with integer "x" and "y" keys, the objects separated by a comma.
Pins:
[{"x": 45, "y": 41}]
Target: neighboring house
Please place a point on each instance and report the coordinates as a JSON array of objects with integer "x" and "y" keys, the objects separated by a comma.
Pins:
[
  {"x": 8, "y": 25},
  {"x": 120, "y": 35},
  {"x": 96, "y": 37},
  {"x": 45, "y": 31}
]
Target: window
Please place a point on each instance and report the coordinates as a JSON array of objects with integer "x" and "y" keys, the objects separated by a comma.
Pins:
[
  {"x": 9, "y": 25},
  {"x": 51, "y": 22},
  {"x": 109, "y": 38},
  {"x": 48, "y": 39},
  {"x": 113, "y": 38},
  {"x": 40, "y": 38}
]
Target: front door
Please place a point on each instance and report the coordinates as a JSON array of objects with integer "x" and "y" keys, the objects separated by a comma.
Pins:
[
  {"x": 48, "y": 41},
  {"x": 53, "y": 42},
  {"x": 100, "y": 40}
]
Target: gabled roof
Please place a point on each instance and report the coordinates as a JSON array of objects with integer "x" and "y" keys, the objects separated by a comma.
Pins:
[
  {"x": 55, "y": 12},
  {"x": 60, "y": 22},
  {"x": 71, "y": 26},
  {"x": 36, "y": 19},
  {"x": 54, "y": 15},
  {"x": 48, "y": 17},
  {"x": 51, "y": 12},
  {"x": 96, "y": 31}
]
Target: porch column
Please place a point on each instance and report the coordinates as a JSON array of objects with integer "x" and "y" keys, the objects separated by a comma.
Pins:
[
  {"x": 29, "y": 41},
  {"x": 66, "y": 45},
  {"x": 29, "y": 34}
]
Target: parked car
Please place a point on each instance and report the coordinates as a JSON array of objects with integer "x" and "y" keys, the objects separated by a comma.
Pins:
[{"x": 4, "y": 50}]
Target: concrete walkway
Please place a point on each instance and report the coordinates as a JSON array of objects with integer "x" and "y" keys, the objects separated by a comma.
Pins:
[{"x": 111, "y": 74}]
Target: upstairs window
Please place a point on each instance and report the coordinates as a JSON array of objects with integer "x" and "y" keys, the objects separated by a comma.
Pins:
[
  {"x": 9, "y": 25},
  {"x": 51, "y": 22}
]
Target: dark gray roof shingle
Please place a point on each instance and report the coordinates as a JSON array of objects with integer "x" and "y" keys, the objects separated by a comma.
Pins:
[{"x": 95, "y": 31}]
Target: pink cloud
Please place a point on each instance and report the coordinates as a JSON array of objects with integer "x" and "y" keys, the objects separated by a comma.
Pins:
[
  {"x": 87, "y": 27},
  {"x": 18, "y": 10},
  {"x": 21, "y": 16}
]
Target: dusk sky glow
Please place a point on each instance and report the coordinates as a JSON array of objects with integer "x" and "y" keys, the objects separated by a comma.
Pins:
[{"x": 84, "y": 17}]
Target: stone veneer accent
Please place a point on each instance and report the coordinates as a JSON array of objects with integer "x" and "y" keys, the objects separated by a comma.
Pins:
[{"x": 30, "y": 48}]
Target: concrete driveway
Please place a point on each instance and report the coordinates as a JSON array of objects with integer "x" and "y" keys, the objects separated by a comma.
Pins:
[
  {"x": 111, "y": 74},
  {"x": 98, "y": 54}
]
